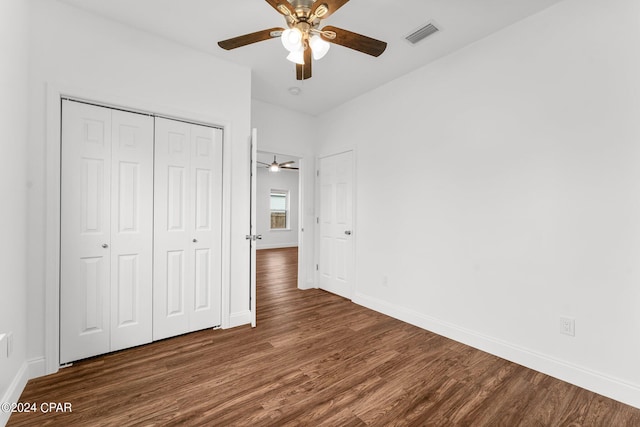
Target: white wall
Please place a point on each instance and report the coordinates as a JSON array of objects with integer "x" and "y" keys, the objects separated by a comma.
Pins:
[
  {"x": 289, "y": 132},
  {"x": 267, "y": 181},
  {"x": 74, "y": 51},
  {"x": 516, "y": 196},
  {"x": 14, "y": 44}
]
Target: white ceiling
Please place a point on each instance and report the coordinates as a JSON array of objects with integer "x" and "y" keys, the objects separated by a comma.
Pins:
[{"x": 344, "y": 73}]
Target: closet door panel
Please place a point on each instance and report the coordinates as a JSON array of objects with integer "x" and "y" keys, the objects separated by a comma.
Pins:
[
  {"x": 85, "y": 231},
  {"x": 188, "y": 197},
  {"x": 173, "y": 271},
  {"x": 131, "y": 230},
  {"x": 206, "y": 167},
  {"x": 202, "y": 284}
]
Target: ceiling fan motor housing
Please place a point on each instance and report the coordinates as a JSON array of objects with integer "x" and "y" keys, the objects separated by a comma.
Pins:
[
  {"x": 303, "y": 13},
  {"x": 302, "y": 7}
]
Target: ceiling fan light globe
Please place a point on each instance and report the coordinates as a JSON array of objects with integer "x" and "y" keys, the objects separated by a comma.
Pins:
[
  {"x": 297, "y": 56},
  {"x": 319, "y": 47},
  {"x": 274, "y": 168},
  {"x": 291, "y": 39}
]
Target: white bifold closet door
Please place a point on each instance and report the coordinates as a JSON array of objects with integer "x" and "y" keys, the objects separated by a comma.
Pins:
[
  {"x": 187, "y": 228},
  {"x": 106, "y": 230}
]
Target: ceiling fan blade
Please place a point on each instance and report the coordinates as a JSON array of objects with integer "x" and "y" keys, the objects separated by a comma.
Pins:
[
  {"x": 246, "y": 39},
  {"x": 282, "y": 6},
  {"x": 303, "y": 72},
  {"x": 331, "y": 5},
  {"x": 356, "y": 41},
  {"x": 287, "y": 167},
  {"x": 290, "y": 162},
  {"x": 263, "y": 163}
]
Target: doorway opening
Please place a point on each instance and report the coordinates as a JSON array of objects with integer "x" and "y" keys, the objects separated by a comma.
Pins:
[{"x": 278, "y": 208}]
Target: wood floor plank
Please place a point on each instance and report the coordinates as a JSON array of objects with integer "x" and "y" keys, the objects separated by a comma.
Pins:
[{"x": 315, "y": 359}]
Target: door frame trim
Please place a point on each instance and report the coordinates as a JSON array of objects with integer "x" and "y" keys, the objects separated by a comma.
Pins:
[{"x": 53, "y": 145}]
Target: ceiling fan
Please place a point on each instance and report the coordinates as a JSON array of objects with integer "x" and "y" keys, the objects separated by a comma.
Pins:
[
  {"x": 303, "y": 38},
  {"x": 275, "y": 166}
]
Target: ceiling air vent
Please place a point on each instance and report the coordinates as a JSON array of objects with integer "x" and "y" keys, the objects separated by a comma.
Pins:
[{"x": 422, "y": 33}]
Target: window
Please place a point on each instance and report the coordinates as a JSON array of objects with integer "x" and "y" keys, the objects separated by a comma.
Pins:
[{"x": 279, "y": 210}]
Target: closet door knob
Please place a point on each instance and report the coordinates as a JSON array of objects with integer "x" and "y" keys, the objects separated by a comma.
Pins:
[
  {"x": 104, "y": 245},
  {"x": 195, "y": 240}
]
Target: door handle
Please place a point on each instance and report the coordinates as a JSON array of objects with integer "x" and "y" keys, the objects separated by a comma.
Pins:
[
  {"x": 195, "y": 240},
  {"x": 259, "y": 237},
  {"x": 105, "y": 246},
  {"x": 348, "y": 232}
]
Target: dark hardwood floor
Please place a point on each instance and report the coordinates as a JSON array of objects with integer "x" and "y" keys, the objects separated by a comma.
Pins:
[{"x": 315, "y": 359}]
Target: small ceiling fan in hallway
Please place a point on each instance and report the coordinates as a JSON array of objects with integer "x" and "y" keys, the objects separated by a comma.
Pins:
[
  {"x": 276, "y": 167},
  {"x": 303, "y": 38}
]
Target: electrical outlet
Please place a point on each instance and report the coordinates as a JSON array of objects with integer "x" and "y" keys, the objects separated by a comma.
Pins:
[
  {"x": 9, "y": 344},
  {"x": 567, "y": 326}
]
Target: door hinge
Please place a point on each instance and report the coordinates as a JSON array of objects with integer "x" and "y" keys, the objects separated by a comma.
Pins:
[
  {"x": 318, "y": 173},
  {"x": 317, "y": 267},
  {"x": 317, "y": 220}
]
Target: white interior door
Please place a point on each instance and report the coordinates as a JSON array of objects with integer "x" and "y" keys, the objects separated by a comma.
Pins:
[
  {"x": 131, "y": 229},
  {"x": 253, "y": 225},
  {"x": 335, "y": 266},
  {"x": 206, "y": 211},
  {"x": 171, "y": 229},
  {"x": 105, "y": 271},
  {"x": 187, "y": 210},
  {"x": 85, "y": 231}
]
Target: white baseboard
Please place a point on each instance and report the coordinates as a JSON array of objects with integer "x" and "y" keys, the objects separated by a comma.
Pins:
[
  {"x": 12, "y": 395},
  {"x": 239, "y": 319},
  {"x": 277, "y": 246},
  {"x": 37, "y": 367},
  {"x": 596, "y": 382},
  {"x": 308, "y": 285}
]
